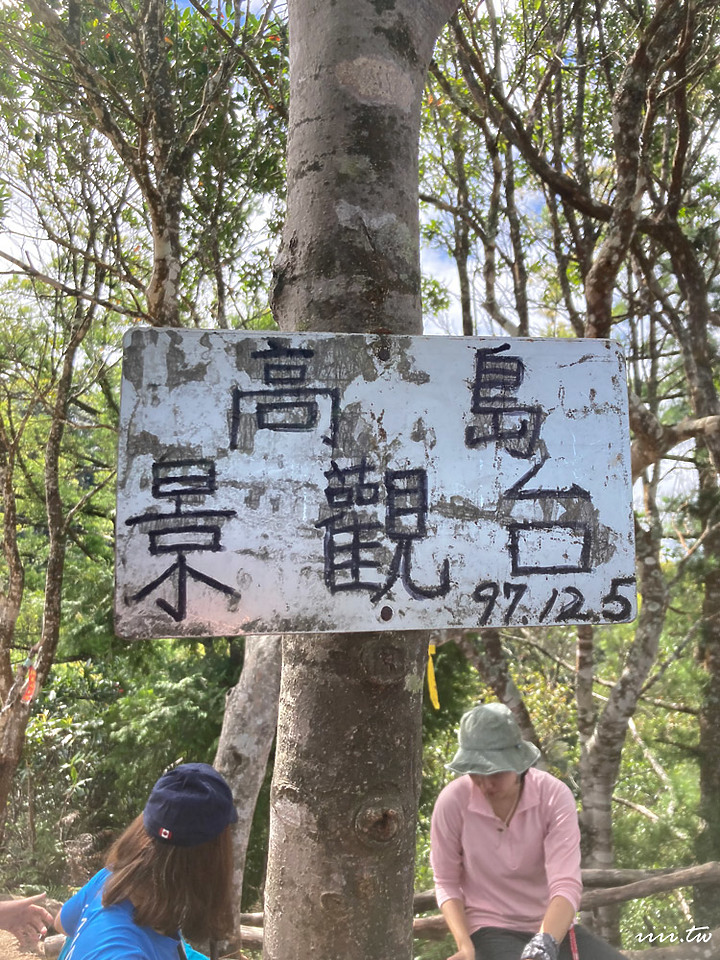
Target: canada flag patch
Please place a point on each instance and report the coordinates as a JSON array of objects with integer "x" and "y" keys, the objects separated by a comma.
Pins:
[{"x": 164, "y": 833}]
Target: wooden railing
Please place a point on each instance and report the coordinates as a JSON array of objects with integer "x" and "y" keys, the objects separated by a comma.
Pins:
[
  {"x": 602, "y": 888},
  {"x": 605, "y": 887}
]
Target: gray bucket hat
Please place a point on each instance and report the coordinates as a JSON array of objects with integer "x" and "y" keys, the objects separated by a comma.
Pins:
[{"x": 490, "y": 742}]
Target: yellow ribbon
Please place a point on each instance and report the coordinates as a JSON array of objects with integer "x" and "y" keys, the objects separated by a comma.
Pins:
[{"x": 432, "y": 685}]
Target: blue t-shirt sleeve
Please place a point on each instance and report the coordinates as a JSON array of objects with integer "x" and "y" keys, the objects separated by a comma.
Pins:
[
  {"x": 193, "y": 954},
  {"x": 71, "y": 911}
]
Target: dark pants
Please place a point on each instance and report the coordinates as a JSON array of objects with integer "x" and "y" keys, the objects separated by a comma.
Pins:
[{"x": 494, "y": 943}]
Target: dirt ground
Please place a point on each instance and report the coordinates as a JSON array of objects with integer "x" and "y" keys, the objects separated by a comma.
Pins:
[{"x": 10, "y": 949}]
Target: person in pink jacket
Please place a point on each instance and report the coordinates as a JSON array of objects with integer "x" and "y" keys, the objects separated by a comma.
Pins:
[{"x": 505, "y": 850}]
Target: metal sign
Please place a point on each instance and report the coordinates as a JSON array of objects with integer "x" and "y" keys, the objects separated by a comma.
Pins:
[{"x": 275, "y": 482}]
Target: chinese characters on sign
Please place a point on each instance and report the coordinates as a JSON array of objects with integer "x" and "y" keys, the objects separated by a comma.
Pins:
[
  {"x": 288, "y": 482},
  {"x": 348, "y": 546},
  {"x": 182, "y": 531}
]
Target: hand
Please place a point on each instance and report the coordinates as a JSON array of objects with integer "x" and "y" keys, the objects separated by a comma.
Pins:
[
  {"x": 466, "y": 952},
  {"x": 543, "y": 946},
  {"x": 26, "y": 919}
]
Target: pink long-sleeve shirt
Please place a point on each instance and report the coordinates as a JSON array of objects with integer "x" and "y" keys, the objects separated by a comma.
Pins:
[{"x": 506, "y": 876}]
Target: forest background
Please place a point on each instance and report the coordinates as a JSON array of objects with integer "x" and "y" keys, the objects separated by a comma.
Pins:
[{"x": 569, "y": 182}]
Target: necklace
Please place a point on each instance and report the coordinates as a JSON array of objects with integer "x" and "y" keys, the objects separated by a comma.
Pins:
[{"x": 506, "y": 820}]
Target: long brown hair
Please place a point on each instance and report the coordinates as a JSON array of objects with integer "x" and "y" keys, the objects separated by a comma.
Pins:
[{"x": 173, "y": 888}]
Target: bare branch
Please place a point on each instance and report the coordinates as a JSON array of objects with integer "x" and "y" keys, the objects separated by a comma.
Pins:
[{"x": 37, "y": 275}]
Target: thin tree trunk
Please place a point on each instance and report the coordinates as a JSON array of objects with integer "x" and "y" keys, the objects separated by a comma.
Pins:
[
  {"x": 461, "y": 248},
  {"x": 602, "y": 738},
  {"x": 629, "y": 106},
  {"x": 12, "y": 594},
  {"x": 708, "y": 842},
  {"x": 246, "y": 738},
  {"x": 16, "y": 712}
]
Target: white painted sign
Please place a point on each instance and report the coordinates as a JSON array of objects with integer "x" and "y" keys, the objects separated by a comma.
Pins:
[{"x": 316, "y": 482}]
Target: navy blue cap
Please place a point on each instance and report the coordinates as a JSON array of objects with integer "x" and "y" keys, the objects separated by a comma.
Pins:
[{"x": 189, "y": 805}]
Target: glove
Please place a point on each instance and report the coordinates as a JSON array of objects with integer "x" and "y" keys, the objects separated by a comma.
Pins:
[{"x": 543, "y": 946}]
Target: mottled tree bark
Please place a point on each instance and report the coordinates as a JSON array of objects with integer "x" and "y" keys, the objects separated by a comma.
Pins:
[
  {"x": 350, "y": 258},
  {"x": 706, "y": 899},
  {"x": 602, "y": 735},
  {"x": 347, "y": 768},
  {"x": 246, "y": 738},
  {"x": 344, "y": 798}
]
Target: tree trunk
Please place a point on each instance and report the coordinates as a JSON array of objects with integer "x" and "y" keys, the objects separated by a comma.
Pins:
[
  {"x": 347, "y": 768},
  {"x": 14, "y": 585},
  {"x": 602, "y": 738},
  {"x": 708, "y": 843},
  {"x": 16, "y": 713},
  {"x": 345, "y": 791},
  {"x": 350, "y": 257},
  {"x": 461, "y": 247},
  {"x": 246, "y": 738},
  {"x": 163, "y": 308},
  {"x": 628, "y": 110}
]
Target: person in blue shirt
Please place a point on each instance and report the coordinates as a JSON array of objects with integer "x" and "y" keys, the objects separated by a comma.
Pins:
[{"x": 167, "y": 877}]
